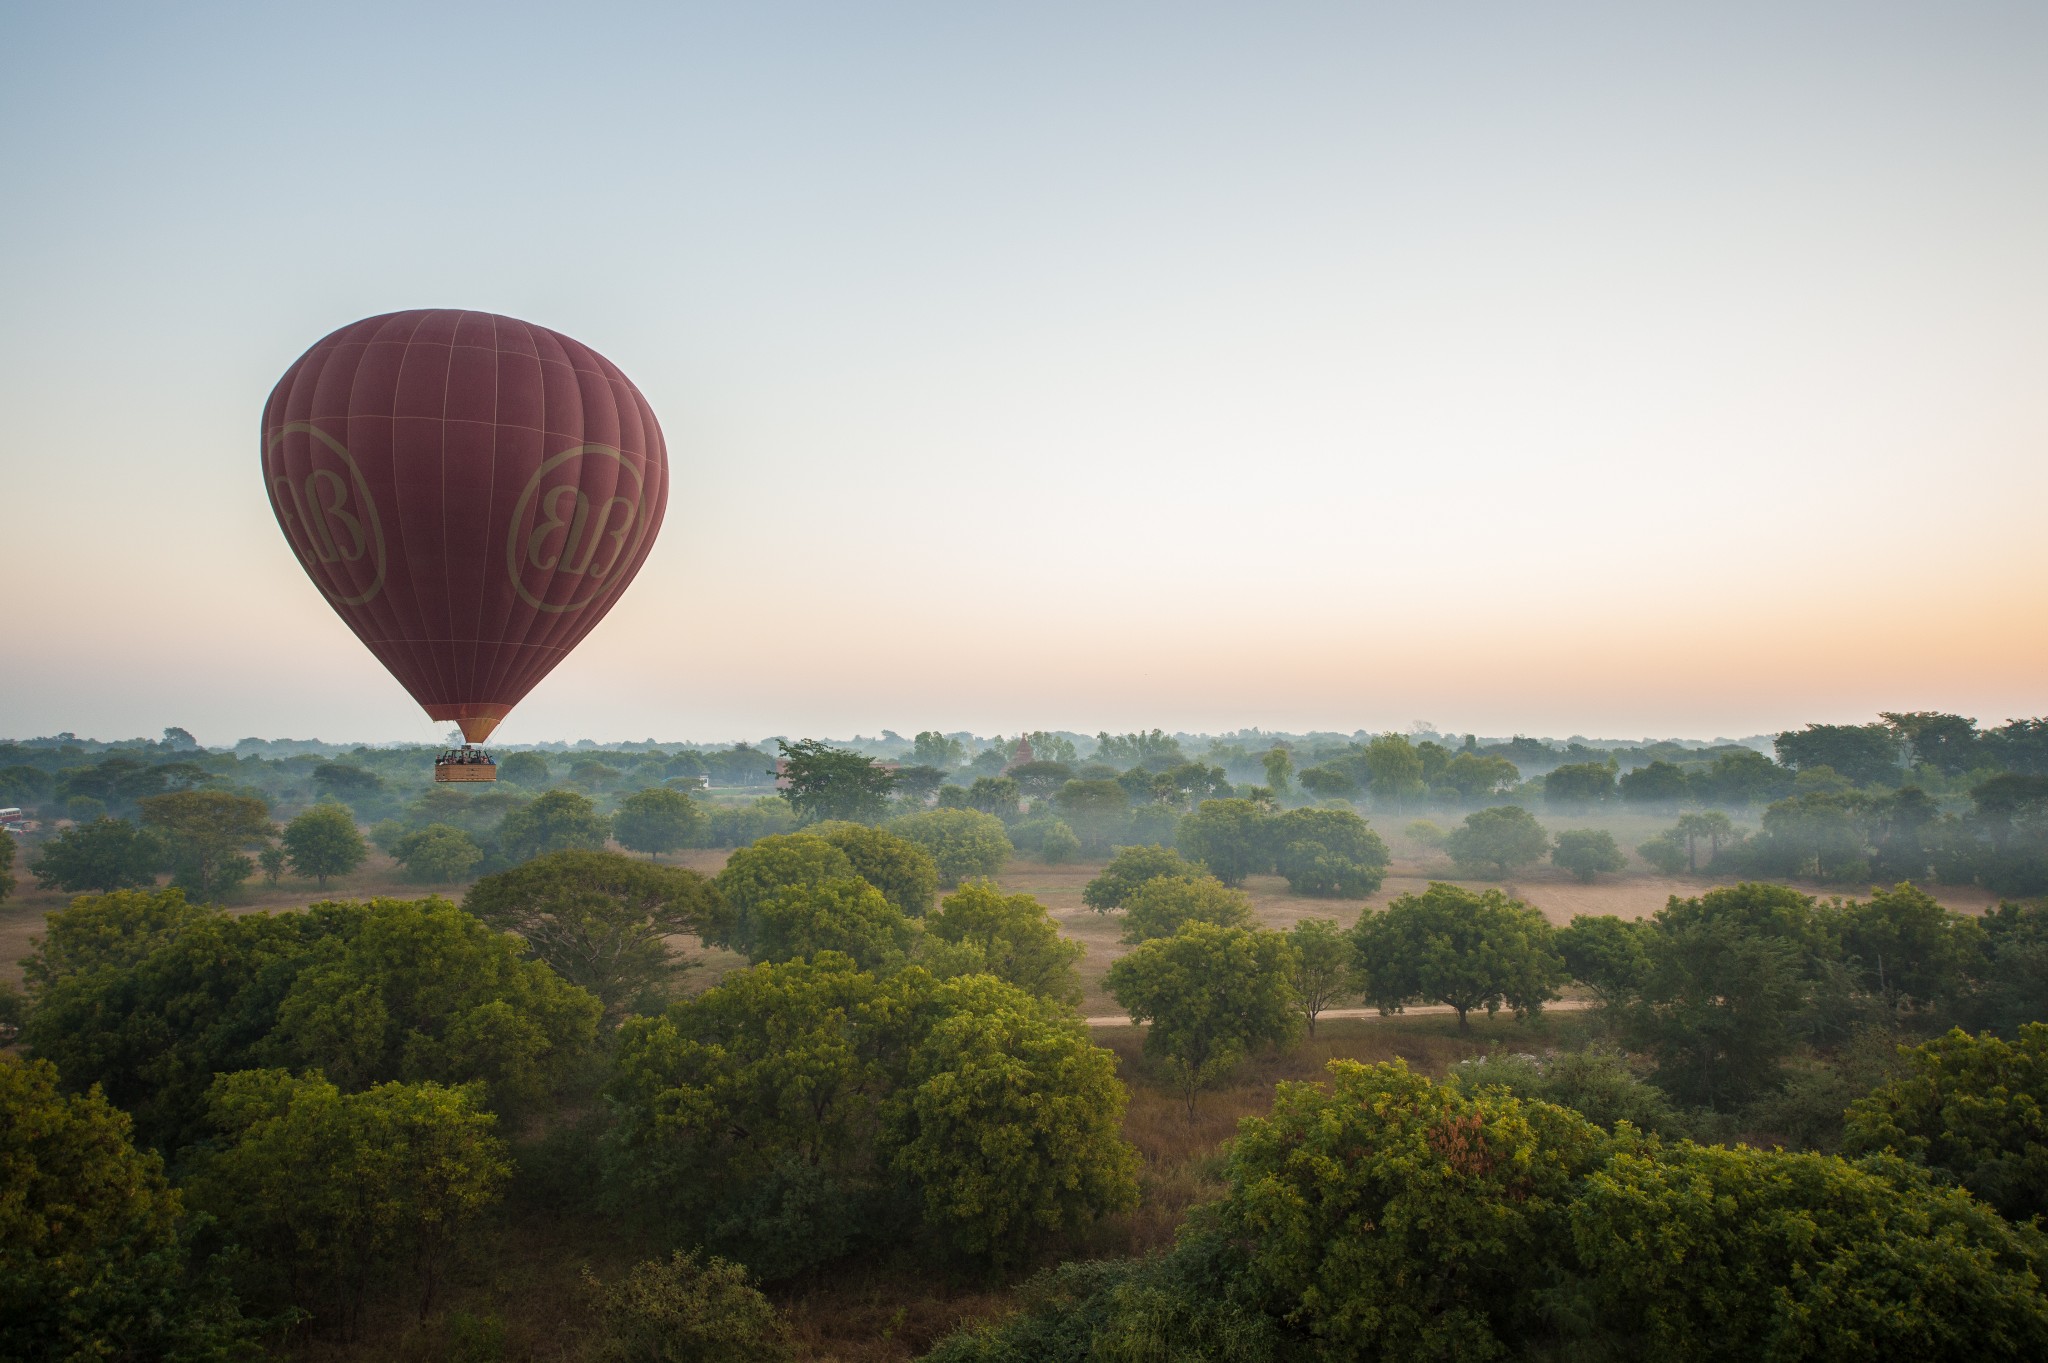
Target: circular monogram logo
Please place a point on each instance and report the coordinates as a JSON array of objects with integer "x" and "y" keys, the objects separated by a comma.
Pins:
[
  {"x": 562, "y": 548},
  {"x": 327, "y": 514}
]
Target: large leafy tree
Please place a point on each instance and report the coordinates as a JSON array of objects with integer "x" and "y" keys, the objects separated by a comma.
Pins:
[
  {"x": 1725, "y": 978},
  {"x": 205, "y": 832},
  {"x": 1011, "y": 937},
  {"x": 1586, "y": 852},
  {"x": 1719, "y": 1252},
  {"x": 600, "y": 920},
  {"x": 757, "y": 873},
  {"x": 1392, "y": 1218},
  {"x": 657, "y": 820},
  {"x": 1159, "y": 906},
  {"x": 1329, "y": 853},
  {"x": 1499, "y": 839},
  {"x": 845, "y": 915},
  {"x": 95, "y": 1259},
  {"x": 1609, "y": 955},
  {"x": 1230, "y": 837},
  {"x": 1579, "y": 785},
  {"x": 798, "y": 1110},
  {"x": 895, "y": 866},
  {"x": 1395, "y": 768},
  {"x": 824, "y": 782},
  {"x": 1907, "y": 949},
  {"x": 961, "y": 842},
  {"x": 1127, "y": 870},
  {"x": 1007, "y": 1121},
  {"x": 1868, "y": 754},
  {"x": 419, "y": 990},
  {"x": 114, "y": 931},
  {"x": 558, "y": 821},
  {"x": 106, "y": 854},
  {"x": 1210, "y": 994},
  {"x": 1973, "y": 1108},
  {"x": 1095, "y": 809},
  {"x": 323, "y": 842},
  {"x": 1658, "y": 783},
  {"x": 438, "y": 854},
  {"x": 325, "y": 1186},
  {"x": 1452, "y": 946}
]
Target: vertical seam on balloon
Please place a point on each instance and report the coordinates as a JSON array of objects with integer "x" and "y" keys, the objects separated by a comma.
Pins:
[
  {"x": 449, "y": 684},
  {"x": 413, "y": 646},
  {"x": 482, "y": 572},
  {"x": 388, "y": 615}
]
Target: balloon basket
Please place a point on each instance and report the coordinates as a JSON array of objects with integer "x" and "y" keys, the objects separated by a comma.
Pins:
[{"x": 465, "y": 773}]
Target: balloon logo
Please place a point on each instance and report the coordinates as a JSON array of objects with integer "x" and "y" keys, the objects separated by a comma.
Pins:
[{"x": 470, "y": 493}]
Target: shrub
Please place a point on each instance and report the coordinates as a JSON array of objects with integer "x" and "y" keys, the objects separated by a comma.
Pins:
[
  {"x": 895, "y": 866},
  {"x": 960, "y": 842},
  {"x": 1586, "y": 852},
  {"x": 1127, "y": 870},
  {"x": 687, "y": 1310},
  {"x": 1328, "y": 853},
  {"x": 1158, "y": 907}
]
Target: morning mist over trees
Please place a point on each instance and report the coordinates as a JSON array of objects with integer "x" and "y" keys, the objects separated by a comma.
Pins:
[{"x": 1079, "y": 684}]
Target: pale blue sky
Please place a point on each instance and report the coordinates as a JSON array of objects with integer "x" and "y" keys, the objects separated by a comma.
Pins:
[{"x": 1611, "y": 369}]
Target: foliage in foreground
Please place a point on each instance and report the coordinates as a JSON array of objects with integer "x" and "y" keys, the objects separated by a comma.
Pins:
[{"x": 1383, "y": 1216}]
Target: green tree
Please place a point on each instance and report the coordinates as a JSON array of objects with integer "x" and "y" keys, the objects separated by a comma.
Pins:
[
  {"x": 528, "y": 769},
  {"x": 272, "y": 859},
  {"x": 685, "y": 1311},
  {"x": 997, "y": 795},
  {"x": 326, "y": 1186},
  {"x": 1665, "y": 851},
  {"x": 1329, "y": 853},
  {"x": 1451, "y": 946},
  {"x": 1209, "y": 994},
  {"x": 419, "y": 990},
  {"x": 6, "y": 867},
  {"x": 1596, "y": 1084},
  {"x": 1907, "y": 949},
  {"x": 599, "y": 920},
  {"x": 1391, "y": 1218},
  {"x": 845, "y": 915},
  {"x": 1095, "y": 810},
  {"x": 657, "y": 820},
  {"x": 1609, "y": 955},
  {"x": 114, "y": 931},
  {"x": 1327, "y": 782},
  {"x": 1395, "y": 768},
  {"x": 1319, "y": 971},
  {"x": 1717, "y": 1252},
  {"x": 1867, "y": 754},
  {"x": 1279, "y": 765},
  {"x": 1579, "y": 785},
  {"x": 1586, "y": 852},
  {"x": 1659, "y": 783},
  {"x": 1710, "y": 826},
  {"x": 1127, "y": 870},
  {"x": 1229, "y": 837},
  {"x": 1007, "y": 1123},
  {"x": 558, "y": 821},
  {"x": 758, "y": 872},
  {"x": 895, "y": 866},
  {"x": 933, "y": 749},
  {"x": 825, "y": 782},
  {"x": 1501, "y": 839},
  {"x": 95, "y": 1257},
  {"x": 1011, "y": 937},
  {"x": 106, "y": 854},
  {"x": 347, "y": 783},
  {"x": 205, "y": 832},
  {"x": 961, "y": 842},
  {"x": 323, "y": 842},
  {"x": 1974, "y": 1108},
  {"x": 1725, "y": 981},
  {"x": 438, "y": 854},
  {"x": 1947, "y": 743},
  {"x": 1474, "y": 777},
  {"x": 1058, "y": 845},
  {"x": 1040, "y": 779},
  {"x": 1159, "y": 906}
]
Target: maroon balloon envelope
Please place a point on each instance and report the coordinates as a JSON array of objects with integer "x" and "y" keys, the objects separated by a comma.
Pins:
[{"x": 470, "y": 493}]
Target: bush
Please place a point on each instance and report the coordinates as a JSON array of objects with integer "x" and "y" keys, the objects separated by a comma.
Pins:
[
  {"x": 1127, "y": 870},
  {"x": 1328, "y": 853},
  {"x": 438, "y": 854},
  {"x": 1586, "y": 852},
  {"x": 960, "y": 842},
  {"x": 323, "y": 842},
  {"x": 687, "y": 1311},
  {"x": 1498, "y": 839},
  {"x": 1011, "y": 937},
  {"x": 744, "y": 825},
  {"x": 1229, "y": 837}
]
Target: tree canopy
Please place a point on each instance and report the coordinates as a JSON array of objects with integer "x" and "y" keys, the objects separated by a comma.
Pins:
[
  {"x": 105, "y": 854},
  {"x": 657, "y": 820},
  {"x": 1452, "y": 946},
  {"x": 1127, "y": 870},
  {"x": 1209, "y": 994},
  {"x": 323, "y": 842},
  {"x": 961, "y": 843},
  {"x": 1497, "y": 839},
  {"x": 824, "y": 782}
]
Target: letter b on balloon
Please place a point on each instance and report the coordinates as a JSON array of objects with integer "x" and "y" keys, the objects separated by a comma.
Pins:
[{"x": 577, "y": 520}]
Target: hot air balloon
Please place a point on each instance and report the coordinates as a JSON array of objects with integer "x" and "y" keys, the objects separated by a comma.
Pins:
[{"x": 471, "y": 494}]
